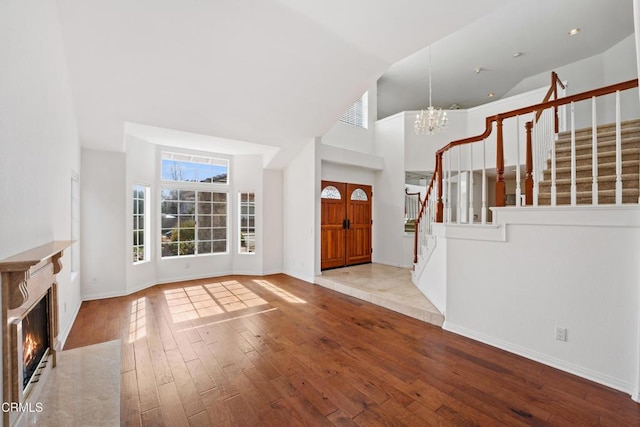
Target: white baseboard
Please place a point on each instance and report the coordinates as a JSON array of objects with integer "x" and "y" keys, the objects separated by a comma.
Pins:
[
  {"x": 63, "y": 335},
  {"x": 193, "y": 277},
  {"x": 270, "y": 272},
  {"x": 103, "y": 295},
  {"x": 545, "y": 359},
  {"x": 129, "y": 291}
]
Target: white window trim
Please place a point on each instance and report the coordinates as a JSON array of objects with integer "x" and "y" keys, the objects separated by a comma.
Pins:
[
  {"x": 195, "y": 186},
  {"x": 255, "y": 243},
  {"x": 147, "y": 222}
]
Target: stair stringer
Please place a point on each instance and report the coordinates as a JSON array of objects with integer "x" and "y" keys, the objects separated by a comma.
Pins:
[{"x": 429, "y": 274}]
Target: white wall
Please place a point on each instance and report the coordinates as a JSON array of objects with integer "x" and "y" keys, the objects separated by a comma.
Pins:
[
  {"x": 104, "y": 224},
  {"x": 273, "y": 221},
  {"x": 614, "y": 65},
  {"x": 142, "y": 169},
  {"x": 301, "y": 200},
  {"x": 636, "y": 21},
  {"x": 345, "y": 173},
  {"x": 247, "y": 177},
  {"x": 38, "y": 140},
  {"x": 108, "y": 211},
  {"x": 432, "y": 280},
  {"x": 388, "y": 196},
  {"x": 542, "y": 268},
  {"x": 619, "y": 65}
]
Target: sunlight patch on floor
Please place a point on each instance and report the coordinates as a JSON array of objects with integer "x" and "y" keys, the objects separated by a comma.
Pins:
[
  {"x": 138, "y": 320},
  {"x": 228, "y": 319},
  {"x": 197, "y": 302},
  {"x": 287, "y": 296}
]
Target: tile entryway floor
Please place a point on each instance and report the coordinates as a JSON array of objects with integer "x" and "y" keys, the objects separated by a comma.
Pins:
[{"x": 383, "y": 285}]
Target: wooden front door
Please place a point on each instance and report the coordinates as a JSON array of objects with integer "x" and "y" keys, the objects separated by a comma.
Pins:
[{"x": 345, "y": 224}]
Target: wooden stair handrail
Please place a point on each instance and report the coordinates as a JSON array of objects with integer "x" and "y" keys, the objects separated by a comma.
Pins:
[
  {"x": 417, "y": 223},
  {"x": 553, "y": 91},
  {"x": 605, "y": 90},
  {"x": 629, "y": 84},
  {"x": 406, "y": 192},
  {"x": 499, "y": 118}
]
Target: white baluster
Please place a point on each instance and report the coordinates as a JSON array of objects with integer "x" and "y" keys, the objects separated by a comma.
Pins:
[
  {"x": 459, "y": 205},
  {"x": 594, "y": 153},
  {"x": 483, "y": 209},
  {"x": 536, "y": 160},
  {"x": 518, "y": 189},
  {"x": 432, "y": 205},
  {"x": 449, "y": 198},
  {"x": 554, "y": 188},
  {"x": 573, "y": 156},
  {"x": 471, "y": 212},
  {"x": 618, "y": 152}
]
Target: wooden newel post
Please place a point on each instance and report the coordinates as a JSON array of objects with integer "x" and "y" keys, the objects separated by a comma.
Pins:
[
  {"x": 439, "y": 204},
  {"x": 500, "y": 186},
  {"x": 554, "y": 84},
  {"x": 528, "y": 181}
]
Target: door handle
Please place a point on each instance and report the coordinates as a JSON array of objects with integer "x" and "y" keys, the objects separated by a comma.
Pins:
[
  {"x": 344, "y": 223},
  {"x": 348, "y": 224}
]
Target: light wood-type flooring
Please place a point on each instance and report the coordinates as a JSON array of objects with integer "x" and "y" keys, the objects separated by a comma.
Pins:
[{"x": 278, "y": 351}]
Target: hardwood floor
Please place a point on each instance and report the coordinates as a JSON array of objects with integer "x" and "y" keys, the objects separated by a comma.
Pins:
[{"x": 274, "y": 350}]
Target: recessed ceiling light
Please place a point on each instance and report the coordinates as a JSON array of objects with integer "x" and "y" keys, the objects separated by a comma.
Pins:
[
  {"x": 517, "y": 54},
  {"x": 574, "y": 31},
  {"x": 491, "y": 95}
]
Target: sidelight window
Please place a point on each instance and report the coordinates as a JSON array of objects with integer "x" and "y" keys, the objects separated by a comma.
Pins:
[
  {"x": 247, "y": 223},
  {"x": 140, "y": 223}
]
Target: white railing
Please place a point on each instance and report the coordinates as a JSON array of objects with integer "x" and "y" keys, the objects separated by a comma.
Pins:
[
  {"x": 458, "y": 167},
  {"x": 412, "y": 204},
  {"x": 425, "y": 224}
]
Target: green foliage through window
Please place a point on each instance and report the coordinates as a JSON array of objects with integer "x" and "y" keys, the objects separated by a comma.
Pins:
[
  {"x": 193, "y": 222},
  {"x": 139, "y": 223}
]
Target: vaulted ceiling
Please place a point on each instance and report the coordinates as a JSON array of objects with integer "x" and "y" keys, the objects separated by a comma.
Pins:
[
  {"x": 280, "y": 72},
  {"x": 535, "y": 32}
]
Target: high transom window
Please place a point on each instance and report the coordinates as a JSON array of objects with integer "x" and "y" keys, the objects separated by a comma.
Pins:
[
  {"x": 189, "y": 168},
  {"x": 357, "y": 114},
  {"x": 194, "y": 205}
]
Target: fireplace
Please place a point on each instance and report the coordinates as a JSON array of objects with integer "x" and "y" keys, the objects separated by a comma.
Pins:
[
  {"x": 29, "y": 326},
  {"x": 35, "y": 341}
]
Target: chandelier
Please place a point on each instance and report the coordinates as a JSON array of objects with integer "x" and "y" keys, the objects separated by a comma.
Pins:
[{"x": 432, "y": 120}]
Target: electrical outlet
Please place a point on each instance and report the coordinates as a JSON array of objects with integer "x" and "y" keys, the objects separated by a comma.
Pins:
[{"x": 561, "y": 333}]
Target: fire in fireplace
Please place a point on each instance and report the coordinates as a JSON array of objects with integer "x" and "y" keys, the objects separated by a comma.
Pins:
[{"x": 35, "y": 339}]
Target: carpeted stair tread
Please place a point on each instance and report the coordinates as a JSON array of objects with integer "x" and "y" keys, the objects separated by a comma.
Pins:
[
  {"x": 606, "y": 139},
  {"x": 580, "y": 158}
]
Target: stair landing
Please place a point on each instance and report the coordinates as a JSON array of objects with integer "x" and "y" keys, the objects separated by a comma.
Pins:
[{"x": 383, "y": 285}]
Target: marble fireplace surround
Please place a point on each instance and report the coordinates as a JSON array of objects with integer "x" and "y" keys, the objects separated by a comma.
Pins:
[{"x": 26, "y": 278}]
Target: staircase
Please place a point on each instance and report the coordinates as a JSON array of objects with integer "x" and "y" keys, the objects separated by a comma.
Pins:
[{"x": 606, "y": 137}]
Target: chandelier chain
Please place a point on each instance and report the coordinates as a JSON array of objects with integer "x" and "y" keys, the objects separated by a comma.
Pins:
[{"x": 432, "y": 120}]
